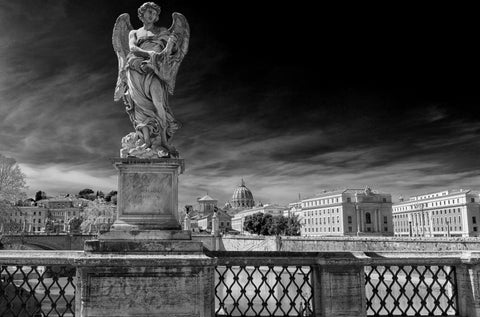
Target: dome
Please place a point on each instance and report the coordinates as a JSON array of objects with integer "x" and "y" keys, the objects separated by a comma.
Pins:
[{"x": 242, "y": 197}]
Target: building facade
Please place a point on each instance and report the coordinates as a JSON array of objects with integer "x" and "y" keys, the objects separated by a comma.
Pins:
[
  {"x": 24, "y": 219},
  {"x": 448, "y": 213},
  {"x": 345, "y": 213},
  {"x": 34, "y": 218},
  {"x": 206, "y": 205},
  {"x": 224, "y": 222},
  {"x": 62, "y": 209}
]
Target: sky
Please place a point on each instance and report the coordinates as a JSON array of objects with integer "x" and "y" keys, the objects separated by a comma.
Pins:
[{"x": 293, "y": 98}]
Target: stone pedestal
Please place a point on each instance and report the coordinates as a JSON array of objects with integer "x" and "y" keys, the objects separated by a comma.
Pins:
[
  {"x": 342, "y": 285},
  {"x": 145, "y": 285},
  {"x": 146, "y": 265},
  {"x": 147, "y": 194}
]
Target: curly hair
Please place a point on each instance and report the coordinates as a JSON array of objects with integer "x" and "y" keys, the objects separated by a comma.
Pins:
[{"x": 148, "y": 5}]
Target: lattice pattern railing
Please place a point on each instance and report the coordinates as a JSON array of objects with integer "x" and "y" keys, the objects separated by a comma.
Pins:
[
  {"x": 37, "y": 290},
  {"x": 411, "y": 290},
  {"x": 263, "y": 290}
]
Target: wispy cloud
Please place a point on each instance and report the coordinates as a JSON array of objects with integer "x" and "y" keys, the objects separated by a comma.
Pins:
[{"x": 287, "y": 118}]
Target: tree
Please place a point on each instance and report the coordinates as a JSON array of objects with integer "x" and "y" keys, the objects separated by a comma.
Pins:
[
  {"x": 97, "y": 214},
  {"x": 267, "y": 225},
  {"x": 279, "y": 226},
  {"x": 74, "y": 224},
  {"x": 87, "y": 193},
  {"x": 7, "y": 210},
  {"x": 110, "y": 195},
  {"x": 293, "y": 226},
  {"x": 12, "y": 180},
  {"x": 40, "y": 195}
]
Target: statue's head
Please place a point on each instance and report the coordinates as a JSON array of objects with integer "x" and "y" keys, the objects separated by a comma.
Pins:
[{"x": 148, "y": 5}]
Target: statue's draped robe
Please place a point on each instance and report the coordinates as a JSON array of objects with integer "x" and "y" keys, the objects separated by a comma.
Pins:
[{"x": 145, "y": 87}]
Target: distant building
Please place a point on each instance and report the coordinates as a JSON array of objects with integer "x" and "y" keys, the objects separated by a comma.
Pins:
[
  {"x": 239, "y": 218},
  {"x": 33, "y": 218},
  {"x": 62, "y": 209},
  {"x": 294, "y": 209},
  {"x": 224, "y": 222},
  {"x": 242, "y": 197},
  {"x": 346, "y": 212},
  {"x": 454, "y": 213},
  {"x": 206, "y": 205}
]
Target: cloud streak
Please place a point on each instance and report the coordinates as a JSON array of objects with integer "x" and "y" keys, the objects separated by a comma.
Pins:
[{"x": 256, "y": 100}]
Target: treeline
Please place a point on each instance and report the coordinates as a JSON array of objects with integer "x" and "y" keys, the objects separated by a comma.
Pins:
[{"x": 269, "y": 225}]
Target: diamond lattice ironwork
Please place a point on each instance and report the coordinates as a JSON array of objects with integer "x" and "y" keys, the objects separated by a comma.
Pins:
[
  {"x": 263, "y": 290},
  {"x": 37, "y": 290},
  {"x": 411, "y": 290}
]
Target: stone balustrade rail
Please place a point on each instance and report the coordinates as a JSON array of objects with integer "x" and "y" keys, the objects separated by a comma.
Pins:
[{"x": 45, "y": 283}]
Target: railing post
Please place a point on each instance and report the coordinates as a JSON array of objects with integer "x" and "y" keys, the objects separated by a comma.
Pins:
[
  {"x": 342, "y": 286},
  {"x": 468, "y": 284}
]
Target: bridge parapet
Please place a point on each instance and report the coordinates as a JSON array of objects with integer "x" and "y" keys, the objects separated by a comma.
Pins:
[
  {"x": 262, "y": 283},
  {"x": 47, "y": 241}
]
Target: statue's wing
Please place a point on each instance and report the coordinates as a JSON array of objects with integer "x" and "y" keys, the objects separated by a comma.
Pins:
[
  {"x": 181, "y": 30},
  {"x": 121, "y": 29}
]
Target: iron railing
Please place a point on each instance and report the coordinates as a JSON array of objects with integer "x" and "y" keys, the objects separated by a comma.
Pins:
[
  {"x": 264, "y": 284},
  {"x": 413, "y": 290},
  {"x": 43, "y": 285}
]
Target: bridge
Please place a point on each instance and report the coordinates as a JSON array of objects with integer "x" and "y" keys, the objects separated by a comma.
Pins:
[{"x": 62, "y": 241}]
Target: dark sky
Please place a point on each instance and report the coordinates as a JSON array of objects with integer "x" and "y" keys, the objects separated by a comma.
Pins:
[{"x": 291, "y": 97}]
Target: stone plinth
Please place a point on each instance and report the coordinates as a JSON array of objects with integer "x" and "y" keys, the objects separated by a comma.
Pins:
[
  {"x": 145, "y": 241},
  {"x": 145, "y": 285},
  {"x": 146, "y": 266},
  {"x": 147, "y": 194}
]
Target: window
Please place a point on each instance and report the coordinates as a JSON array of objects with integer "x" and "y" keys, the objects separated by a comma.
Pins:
[
  {"x": 474, "y": 219},
  {"x": 385, "y": 219},
  {"x": 349, "y": 229},
  {"x": 472, "y": 200},
  {"x": 385, "y": 229},
  {"x": 349, "y": 200},
  {"x": 384, "y": 200},
  {"x": 349, "y": 219},
  {"x": 474, "y": 228},
  {"x": 368, "y": 218}
]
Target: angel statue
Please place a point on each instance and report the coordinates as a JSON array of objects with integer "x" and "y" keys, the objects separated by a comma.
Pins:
[{"x": 148, "y": 62}]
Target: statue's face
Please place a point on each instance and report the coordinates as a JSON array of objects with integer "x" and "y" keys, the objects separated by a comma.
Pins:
[{"x": 150, "y": 15}]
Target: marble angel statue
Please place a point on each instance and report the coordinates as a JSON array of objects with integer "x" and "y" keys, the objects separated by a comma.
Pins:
[{"x": 148, "y": 62}]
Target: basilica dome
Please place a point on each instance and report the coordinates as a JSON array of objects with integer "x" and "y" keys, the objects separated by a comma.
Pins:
[{"x": 242, "y": 197}]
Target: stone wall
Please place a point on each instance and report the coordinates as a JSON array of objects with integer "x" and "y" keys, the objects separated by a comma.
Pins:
[
  {"x": 303, "y": 244},
  {"x": 379, "y": 244}
]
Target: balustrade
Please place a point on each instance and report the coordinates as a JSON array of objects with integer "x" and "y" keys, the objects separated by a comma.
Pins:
[{"x": 44, "y": 283}]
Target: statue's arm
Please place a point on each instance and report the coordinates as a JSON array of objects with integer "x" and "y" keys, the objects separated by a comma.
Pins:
[{"x": 132, "y": 38}]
